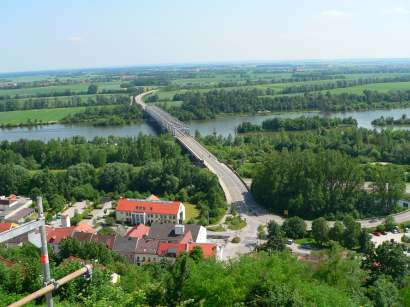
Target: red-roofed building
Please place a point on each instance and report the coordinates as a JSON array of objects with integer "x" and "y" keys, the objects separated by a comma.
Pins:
[
  {"x": 56, "y": 235},
  {"x": 146, "y": 211},
  {"x": 6, "y": 226},
  {"x": 173, "y": 250},
  {"x": 139, "y": 231}
]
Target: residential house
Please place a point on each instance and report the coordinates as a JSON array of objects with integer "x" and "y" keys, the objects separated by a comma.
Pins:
[{"x": 12, "y": 208}]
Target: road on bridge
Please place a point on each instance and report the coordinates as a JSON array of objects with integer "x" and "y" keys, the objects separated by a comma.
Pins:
[{"x": 236, "y": 192}]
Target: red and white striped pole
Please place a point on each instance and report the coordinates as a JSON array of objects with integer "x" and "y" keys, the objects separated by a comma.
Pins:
[{"x": 44, "y": 252}]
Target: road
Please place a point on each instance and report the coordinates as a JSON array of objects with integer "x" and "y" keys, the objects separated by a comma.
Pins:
[{"x": 236, "y": 192}]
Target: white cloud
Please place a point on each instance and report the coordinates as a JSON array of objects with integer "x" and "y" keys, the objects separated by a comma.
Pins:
[
  {"x": 335, "y": 13},
  {"x": 75, "y": 39},
  {"x": 401, "y": 11}
]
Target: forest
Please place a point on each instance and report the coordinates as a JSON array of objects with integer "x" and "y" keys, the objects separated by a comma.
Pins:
[
  {"x": 76, "y": 169},
  {"x": 106, "y": 116},
  {"x": 325, "y": 183}
]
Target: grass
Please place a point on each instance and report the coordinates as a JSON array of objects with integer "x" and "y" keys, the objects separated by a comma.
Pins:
[
  {"x": 235, "y": 222},
  {"x": 44, "y": 115},
  {"x": 216, "y": 228},
  {"x": 305, "y": 241},
  {"x": 191, "y": 211}
]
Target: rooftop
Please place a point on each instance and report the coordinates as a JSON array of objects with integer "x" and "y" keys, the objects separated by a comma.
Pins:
[{"x": 148, "y": 206}]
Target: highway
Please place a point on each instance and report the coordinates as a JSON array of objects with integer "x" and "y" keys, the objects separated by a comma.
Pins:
[{"x": 236, "y": 192}]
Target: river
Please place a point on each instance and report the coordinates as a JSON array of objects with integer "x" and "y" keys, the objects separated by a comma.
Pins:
[{"x": 224, "y": 125}]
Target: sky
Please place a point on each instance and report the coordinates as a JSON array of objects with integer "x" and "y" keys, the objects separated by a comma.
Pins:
[{"x": 57, "y": 34}]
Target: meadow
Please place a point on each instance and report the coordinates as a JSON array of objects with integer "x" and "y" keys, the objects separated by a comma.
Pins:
[{"x": 44, "y": 115}]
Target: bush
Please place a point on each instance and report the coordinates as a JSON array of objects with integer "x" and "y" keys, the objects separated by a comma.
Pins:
[{"x": 236, "y": 240}]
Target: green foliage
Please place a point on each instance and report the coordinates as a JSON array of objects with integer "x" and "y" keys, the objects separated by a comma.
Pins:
[
  {"x": 235, "y": 222},
  {"x": 308, "y": 184},
  {"x": 294, "y": 227},
  {"x": 79, "y": 169},
  {"x": 276, "y": 240},
  {"x": 320, "y": 231},
  {"x": 388, "y": 259}
]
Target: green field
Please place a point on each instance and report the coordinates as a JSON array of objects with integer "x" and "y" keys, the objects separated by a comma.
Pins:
[
  {"x": 381, "y": 87},
  {"x": 44, "y": 115},
  {"x": 60, "y": 88}
]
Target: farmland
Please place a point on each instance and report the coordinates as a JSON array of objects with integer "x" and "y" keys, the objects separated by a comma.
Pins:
[{"x": 46, "y": 115}]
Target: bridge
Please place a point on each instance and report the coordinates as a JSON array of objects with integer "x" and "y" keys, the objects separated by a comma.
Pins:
[{"x": 236, "y": 191}]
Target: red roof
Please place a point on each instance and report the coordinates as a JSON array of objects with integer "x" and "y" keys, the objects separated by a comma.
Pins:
[
  {"x": 55, "y": 235},
  {"x": 148, "y": 206},
  {"x": 175, "y": 249},
  {"x": 5, "y": 226},
  {"x": 139, "y": 231},
  {"x": 153, "y": 197}
]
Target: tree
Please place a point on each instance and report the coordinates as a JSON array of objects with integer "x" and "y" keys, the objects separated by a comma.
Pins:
[
  {"x": 388, "y": 259},
  {"x": 388, "y": 186},
  {"x": 320, "y": 231},
  {"x": 389, "y": 223},
  {"x": 294, "y": 227},
  {"x": 351, "y": 233},
  {"x": 336, "y": 232},
  {"x": 384, "y": 293},
  {"x": 275, "y": 238},
  {"x": 365, "y": 241},
  {"x": 92, "y": 89}
]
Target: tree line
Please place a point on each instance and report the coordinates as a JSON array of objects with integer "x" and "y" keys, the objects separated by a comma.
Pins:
[
  {"x": 206, "y": 105},
  {"x": 391, "y": 121},
  {"x": 341, "y": 84},
  {"x": 76, "y": 169},
  {"x": 296, "y": 124},
  {"x": 66, "y": 102}
]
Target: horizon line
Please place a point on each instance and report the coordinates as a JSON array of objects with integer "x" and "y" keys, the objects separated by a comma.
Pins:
[{"x": 208, "y": 63}]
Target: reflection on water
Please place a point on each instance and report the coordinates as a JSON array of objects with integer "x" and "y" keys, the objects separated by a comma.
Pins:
[{"x": 223, "y": 126}]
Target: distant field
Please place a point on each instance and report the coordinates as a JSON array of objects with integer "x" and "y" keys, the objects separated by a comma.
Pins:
[
  {"x": 381, "y": 87},
  {"x": 45, "y": 115},
  {"x": 59, "y": 88}
]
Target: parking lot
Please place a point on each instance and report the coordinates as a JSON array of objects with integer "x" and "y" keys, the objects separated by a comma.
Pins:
[{"x": 396, "y": 237}]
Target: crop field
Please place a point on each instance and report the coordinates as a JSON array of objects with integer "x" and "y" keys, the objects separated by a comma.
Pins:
[{"x": 45, "y": 115}]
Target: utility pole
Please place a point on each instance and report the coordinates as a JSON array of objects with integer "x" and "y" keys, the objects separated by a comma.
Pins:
[{"x": 44, "y": 252}]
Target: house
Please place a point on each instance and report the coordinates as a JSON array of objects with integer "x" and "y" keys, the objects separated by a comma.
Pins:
[
  {"x": 146, "y": 251},
  {"x": 126, "y": 247},
  {"x": 56, "y": 235},
  {"x": 12, "y": 208},
  {"x": 178, "y": 233},
  {"x": 139, "y": 231},
  {"x": 147, "y": 211}
]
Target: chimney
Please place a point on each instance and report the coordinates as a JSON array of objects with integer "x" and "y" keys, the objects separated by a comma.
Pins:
[
  {"x": 179, "y": 229},
  {"x": 65, "y": 220}
]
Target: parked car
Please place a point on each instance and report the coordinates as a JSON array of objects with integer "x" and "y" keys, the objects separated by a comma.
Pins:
[
  {"x": 290, "y": 242},
  {"x": 376, "y": 233}
]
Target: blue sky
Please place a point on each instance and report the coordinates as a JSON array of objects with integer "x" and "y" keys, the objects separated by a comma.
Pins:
[{"x": 54, "y": 34}]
